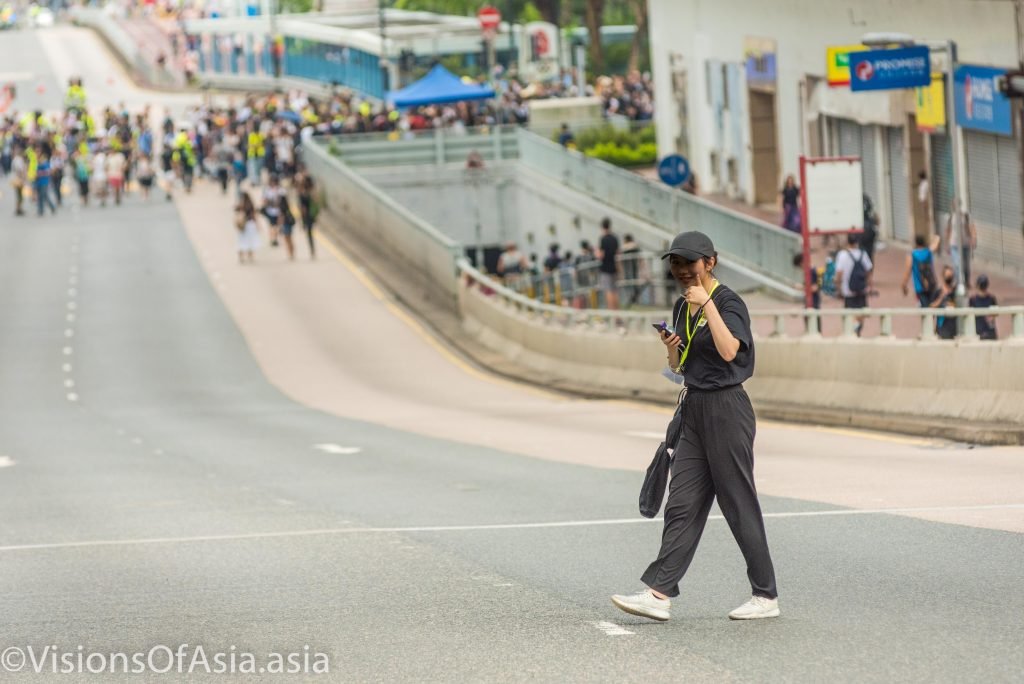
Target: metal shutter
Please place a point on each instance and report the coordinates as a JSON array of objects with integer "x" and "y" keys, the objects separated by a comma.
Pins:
[
  {"x": 994, "y": 187},
  {"x": 849, "y": 138},
  {"x": 982, "y": 177},
  {"x": 941, "y": 179},
  {"x": 1010, "y": 210},
  {"x": 859, "y": 141},
  {"x": 898, "y": 185}
]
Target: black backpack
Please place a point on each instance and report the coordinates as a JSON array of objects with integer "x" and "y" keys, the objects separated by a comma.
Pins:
[
  {"x": 858, "y": 276},
  {"x": 926, "y": 275}
]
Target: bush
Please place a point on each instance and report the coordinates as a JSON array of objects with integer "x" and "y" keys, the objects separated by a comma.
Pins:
[
  {"x": 622, "y": 155},
  {"x": 616, "y": 146}
]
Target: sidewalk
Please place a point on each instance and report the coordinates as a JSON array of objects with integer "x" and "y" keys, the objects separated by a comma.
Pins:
[{"x": 890, "y": 262}]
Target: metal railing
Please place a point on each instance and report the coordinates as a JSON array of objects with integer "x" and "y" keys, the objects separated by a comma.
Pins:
[
  {"x": 769, "y": 323},
  {"x": 376, "y": 217},
  {"x": 758, "y": 245},
  {"x": 426, "y": 147},
  {"x": 641, "y": 282},
  {"x": 98, "y": 20}
]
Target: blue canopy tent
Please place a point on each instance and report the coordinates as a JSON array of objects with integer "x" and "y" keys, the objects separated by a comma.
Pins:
[{"x": 438, "y": 87}]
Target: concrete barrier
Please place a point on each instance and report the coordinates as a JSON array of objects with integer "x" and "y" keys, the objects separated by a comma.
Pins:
[
  {"x": 969, "y": 390},
  {"x": 414, "y": 245},
  {"x": 962, "y": 390}
]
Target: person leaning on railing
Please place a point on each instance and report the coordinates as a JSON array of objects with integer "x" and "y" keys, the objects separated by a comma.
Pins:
[{"x": 712, "y": 346}]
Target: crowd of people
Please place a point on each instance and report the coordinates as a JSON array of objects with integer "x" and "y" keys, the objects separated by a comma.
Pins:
[
  {"x": 609, "y": 274},
  {"x": 849, "y": 271},
  {"x": 106, "y": 155},
  {"x": 96, "y": 156}
]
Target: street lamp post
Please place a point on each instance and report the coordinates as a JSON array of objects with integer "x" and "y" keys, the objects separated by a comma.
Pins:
[{"x": 384, "y": 64}]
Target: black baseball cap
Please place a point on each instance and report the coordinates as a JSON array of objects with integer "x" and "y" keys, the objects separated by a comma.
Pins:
[{"x": 692, "y": 246}]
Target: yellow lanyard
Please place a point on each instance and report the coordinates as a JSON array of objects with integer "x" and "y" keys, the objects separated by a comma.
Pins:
[{"x": 696, "y": 327}]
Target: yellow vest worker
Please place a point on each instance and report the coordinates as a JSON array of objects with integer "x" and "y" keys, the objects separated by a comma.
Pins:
[
  {"x": 255, "y": 145},
  {"x": 33, "y": 163}
]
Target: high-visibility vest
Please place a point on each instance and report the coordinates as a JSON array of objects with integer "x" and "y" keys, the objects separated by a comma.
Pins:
[
  {"x": 33, "y": 163},
  {"x": 183, "y": 145},
  {"x": 255, "y": 144}
]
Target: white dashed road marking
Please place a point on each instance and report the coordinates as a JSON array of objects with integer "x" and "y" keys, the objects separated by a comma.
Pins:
[
  {"x": 335, "y": 449},
  {"x": 646, "y": 435},
  {"x": 612, "y": 629},
  {"x": 6, "y": 461}
]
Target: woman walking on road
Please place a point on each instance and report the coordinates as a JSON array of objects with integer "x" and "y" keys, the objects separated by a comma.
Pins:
[
  {"x": 712, "y": 346},
  {"x": 248, "y": 231},
  {"x": 305, "y": 185}
]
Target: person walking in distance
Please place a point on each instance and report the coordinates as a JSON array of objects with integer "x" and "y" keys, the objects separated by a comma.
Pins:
[
  {"x": 789, "y": 199},
  {"x": 920, "y": 267},
  {"x": 19, "y": 179},
  {"x": 711, "y": 344},
  {"x": 961, "y": 239},
  {"x": 984, "y": 326},
  {"x": 307, "y": 210},
  {"x": 853, "y": 273},
  {"x": 945, "y": 326},
  {"x": 248, "y": 231},
  {"x": 608, "y": 253},
  {"x": 512, "y": 265},
  {"x": 42, "y": 185},
  {"x": 116, "y": 164}
]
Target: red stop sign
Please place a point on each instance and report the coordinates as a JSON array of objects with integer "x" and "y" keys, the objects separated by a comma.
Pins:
[{"x": 489, "y": 17}]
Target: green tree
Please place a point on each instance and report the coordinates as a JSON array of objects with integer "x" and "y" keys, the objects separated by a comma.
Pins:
[{"x": 594, "y": 17}]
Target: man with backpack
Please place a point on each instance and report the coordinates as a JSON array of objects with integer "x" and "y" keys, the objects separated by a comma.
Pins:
[
  {"x": 853, "y": 273},
  {"x": 921, "y": 269}
]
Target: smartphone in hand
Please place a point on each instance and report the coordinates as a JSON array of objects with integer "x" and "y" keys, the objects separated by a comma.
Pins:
[{"x": 662, "y": 328}]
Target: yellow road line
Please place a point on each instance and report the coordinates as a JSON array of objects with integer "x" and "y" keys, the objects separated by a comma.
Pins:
[{"x": 425, "y": 334}]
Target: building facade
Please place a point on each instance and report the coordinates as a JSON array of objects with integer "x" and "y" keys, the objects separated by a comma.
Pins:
[{"x": 743, "y": 90}]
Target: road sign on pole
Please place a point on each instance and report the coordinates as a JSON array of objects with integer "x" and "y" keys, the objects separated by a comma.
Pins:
[
  {"x": 674, "y": 169},
  {"x": 489, "y": 18}
]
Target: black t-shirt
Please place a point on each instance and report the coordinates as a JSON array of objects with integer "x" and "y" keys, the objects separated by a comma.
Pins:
[
  {"x": 945, "y": 326},
  {"x": 982, "y": 327},
  {"x": 705, "y": 368},
  {"x": 609, "y": 250},
  {"x": 790, "y": 196}
]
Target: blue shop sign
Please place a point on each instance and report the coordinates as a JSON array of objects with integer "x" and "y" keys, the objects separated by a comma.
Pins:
[
  {"x": 908, "y": 67},
  {"x": 979, "y": 104}
]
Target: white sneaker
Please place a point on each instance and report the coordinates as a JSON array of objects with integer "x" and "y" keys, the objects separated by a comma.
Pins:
[
  {"x": 645, "y": 604},
  {"x": 756, "y": 608}
]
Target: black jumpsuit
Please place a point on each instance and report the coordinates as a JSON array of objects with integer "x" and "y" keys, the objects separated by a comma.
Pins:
[{"x": 714, "y": 456}]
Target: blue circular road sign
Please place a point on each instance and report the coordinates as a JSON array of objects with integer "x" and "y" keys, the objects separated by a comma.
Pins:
[{"x": 674, "y": 169}]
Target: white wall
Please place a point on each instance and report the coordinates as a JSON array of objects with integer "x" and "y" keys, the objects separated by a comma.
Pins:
[{"x": 701, "y": 29}]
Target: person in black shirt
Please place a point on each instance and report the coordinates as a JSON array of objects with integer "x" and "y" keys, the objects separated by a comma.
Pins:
[
  {"x": 945, "y": 326},
  {"x": 608, "y": 252},
  {"x": 985, "y": 326},
  {"x": 713, "y": 346},
  {"x": 789, "y": 198}
]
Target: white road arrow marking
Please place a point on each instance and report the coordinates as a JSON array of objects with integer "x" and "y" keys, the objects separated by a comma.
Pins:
[
  {"x": 335, "y": 449},
  {"x": 6, "y": 461}
]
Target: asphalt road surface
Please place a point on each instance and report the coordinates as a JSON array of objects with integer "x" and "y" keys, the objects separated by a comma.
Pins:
[{"x": 260, "y": 459}]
